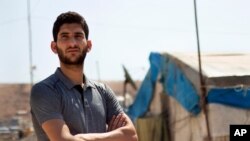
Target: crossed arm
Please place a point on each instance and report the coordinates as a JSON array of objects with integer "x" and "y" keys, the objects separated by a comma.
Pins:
[{"x": 120, "y": 128}]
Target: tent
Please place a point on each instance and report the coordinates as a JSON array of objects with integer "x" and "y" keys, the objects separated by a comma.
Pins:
[{"x": 227, "y": 81}]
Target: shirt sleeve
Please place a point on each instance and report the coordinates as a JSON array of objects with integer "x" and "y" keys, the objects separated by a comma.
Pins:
[
  {"x": 112, "y": 104},
  {"x": 45, "y": 103}
]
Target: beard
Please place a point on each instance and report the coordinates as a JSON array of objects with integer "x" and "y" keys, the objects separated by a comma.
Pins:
[{"x": 68, "y": 61}]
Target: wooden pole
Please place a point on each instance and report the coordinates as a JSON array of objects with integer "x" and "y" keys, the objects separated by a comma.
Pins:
[{"x": 202, "y": 82}]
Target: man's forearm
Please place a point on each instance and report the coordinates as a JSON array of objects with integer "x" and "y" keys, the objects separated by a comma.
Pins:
[
  {"x": 121, "y": 134},
  {"x": 120, "y": 128},
  {"x": 57, "y": 130}
]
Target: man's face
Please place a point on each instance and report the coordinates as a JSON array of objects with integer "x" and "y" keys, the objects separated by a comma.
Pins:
[{"x": 71, "y": 44}]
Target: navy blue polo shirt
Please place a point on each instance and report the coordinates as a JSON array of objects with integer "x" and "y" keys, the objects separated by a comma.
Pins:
[{"x": 86, "y": 111}]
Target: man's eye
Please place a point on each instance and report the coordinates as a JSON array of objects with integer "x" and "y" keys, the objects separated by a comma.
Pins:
[
  {"x": 64, "y": 37},
  {"x": 79, "y": 38}
]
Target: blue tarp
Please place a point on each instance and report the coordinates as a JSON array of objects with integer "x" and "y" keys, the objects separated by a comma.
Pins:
[
  {"x": 145, "y": 93},
  {"x": 177, "y": 85},
  {"x": 236, "y": 97}
]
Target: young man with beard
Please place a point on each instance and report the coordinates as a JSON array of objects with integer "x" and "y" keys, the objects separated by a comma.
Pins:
[{"x": 67, "y": 106}]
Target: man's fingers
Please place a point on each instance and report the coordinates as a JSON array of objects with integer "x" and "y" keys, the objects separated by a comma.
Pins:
[
  {"x": 124, "y": 123},
  {"x": 121, "y": 121},
  {"x": 116, "y": 121},
  {"x": 111, "y": 122}
]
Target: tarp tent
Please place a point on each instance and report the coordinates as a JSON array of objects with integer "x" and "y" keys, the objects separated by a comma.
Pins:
[{"x": 227, "y": 79}]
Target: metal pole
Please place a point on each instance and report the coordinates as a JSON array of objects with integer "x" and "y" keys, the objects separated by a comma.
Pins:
[
  {"x": 202, "y": 82},
  {"x": 30, "y": 42}
]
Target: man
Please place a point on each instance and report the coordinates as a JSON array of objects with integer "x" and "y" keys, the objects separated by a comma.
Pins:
[{"x": 67, "y": 106}]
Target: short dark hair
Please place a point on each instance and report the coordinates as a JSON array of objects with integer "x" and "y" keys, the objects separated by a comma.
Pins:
[{"x": 69, "y": 17}]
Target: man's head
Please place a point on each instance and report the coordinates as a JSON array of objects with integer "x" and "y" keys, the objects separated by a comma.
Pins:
[
  {"x": 71, "y": 42},
  {"x": 69, "y": 17}
]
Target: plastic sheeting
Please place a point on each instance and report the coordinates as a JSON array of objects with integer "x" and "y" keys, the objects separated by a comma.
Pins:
[
  {"x": 152, "y": 129},
  {"x": 175, "y": 84},
  {"x": 145, "y": 93},
  {"x": 236, "y": 97},
  {"x": 178, "y": 86}
]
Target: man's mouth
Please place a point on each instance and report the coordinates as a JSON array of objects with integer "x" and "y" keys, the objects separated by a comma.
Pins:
[{"x": 72, "y": 50}]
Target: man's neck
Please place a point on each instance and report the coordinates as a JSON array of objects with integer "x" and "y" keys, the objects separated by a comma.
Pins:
[{"x": 73, "y": 72}]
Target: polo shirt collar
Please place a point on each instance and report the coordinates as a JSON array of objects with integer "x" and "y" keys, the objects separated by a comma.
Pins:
[
  {"x": 88, "y": 83},
  {"x": 68, "y": 83}
]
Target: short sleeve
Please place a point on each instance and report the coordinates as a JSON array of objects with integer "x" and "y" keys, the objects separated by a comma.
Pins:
[
  {"x": 112, "y": 104},
  {"x": 45, "y": 103}
]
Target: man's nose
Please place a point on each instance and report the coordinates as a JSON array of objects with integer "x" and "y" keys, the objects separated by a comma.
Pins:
[{"x": 72, "y": 42}]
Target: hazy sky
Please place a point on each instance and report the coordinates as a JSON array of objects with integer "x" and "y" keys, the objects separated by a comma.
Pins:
[{"x": 122, "y": 32}]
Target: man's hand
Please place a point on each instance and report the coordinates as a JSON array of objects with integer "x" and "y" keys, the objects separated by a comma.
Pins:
[
  {"x": 117, "y": 122},
  {"x": 120, "y": 129}
]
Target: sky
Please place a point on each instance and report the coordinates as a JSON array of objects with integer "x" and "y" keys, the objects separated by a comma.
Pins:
[{"x": 122, "y": 33}]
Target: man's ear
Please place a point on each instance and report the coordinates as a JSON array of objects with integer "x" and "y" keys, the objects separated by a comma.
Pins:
[
  {"x": 89, "y": 45},
  {"x": 53, "y": 47}
]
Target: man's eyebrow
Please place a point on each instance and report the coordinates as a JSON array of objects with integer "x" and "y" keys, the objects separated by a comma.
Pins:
[
  {"x": 64, "y": 33},
  {"x": 76, "y": 33},
  {"x": 79, "y": 33}
]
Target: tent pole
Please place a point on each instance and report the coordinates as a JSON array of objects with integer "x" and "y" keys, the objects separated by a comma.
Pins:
[{"x": 202, "y": 82}]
